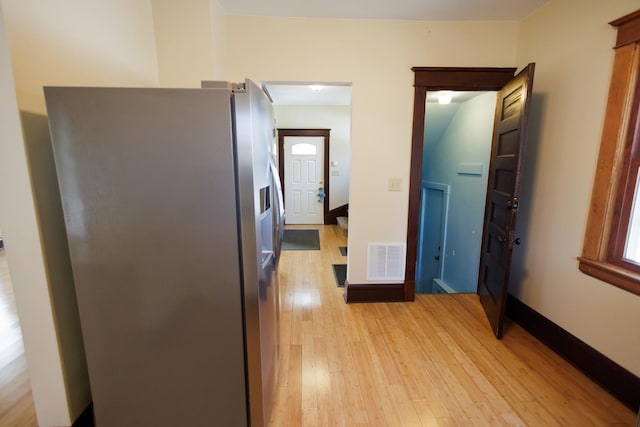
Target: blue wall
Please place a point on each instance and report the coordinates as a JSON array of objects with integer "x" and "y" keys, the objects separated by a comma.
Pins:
[{"x": 466, "y": 140}]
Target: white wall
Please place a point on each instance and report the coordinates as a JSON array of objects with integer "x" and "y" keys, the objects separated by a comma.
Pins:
[
  {"x": 571, "y": 44},
  {"x": 376, "y": 57},
  {"x": 184, "y": 41},
  {"x": 336, "y": 118},
  {"x": 56, "y": 43}
]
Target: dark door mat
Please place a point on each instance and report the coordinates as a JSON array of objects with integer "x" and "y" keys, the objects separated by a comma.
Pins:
[
  {"x": 340, "y": 273},
  {"x": 301, "y": 240},
  {"x": 343, "y": 250}
]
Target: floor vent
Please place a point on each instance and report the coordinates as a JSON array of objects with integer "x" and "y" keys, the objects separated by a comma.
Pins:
[{"x": 385, "y": 261}]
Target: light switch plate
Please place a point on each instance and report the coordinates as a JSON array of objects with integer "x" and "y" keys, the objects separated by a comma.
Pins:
[{"x": 395, "y": 184}]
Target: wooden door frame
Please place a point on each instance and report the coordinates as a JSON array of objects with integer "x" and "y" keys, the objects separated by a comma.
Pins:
[
  {"x": 432, "y": 79},
  {"x": 282, "y": 133}
]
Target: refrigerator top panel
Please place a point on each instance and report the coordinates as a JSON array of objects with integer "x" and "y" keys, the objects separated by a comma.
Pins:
[{"x": 148, "y": 187}]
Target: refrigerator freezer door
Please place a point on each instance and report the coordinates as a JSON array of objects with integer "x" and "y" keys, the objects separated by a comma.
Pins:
[
  {"x": 254, "y": 138},
  {"x": 148, "y": 188}
]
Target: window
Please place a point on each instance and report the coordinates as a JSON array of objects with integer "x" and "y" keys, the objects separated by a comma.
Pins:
[
  {"x": 623, "y": 243},
  {"x": 304, "y": 149},
  {"x": 632, "y": 247},
  {"x": 611, "y": 249}
]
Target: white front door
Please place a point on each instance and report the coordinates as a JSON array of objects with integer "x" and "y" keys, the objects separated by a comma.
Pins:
[{"x": 303, "y": 172}]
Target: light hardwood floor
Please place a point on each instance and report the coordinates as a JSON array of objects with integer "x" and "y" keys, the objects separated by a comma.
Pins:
[
  {"x": 16, "y": 403},
  {"x": 427, "y": 363}
]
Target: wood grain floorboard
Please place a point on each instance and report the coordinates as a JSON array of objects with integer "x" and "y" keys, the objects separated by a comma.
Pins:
[
  {"x": 432, "y": 362},
  {"x": 16, "y": 402}
]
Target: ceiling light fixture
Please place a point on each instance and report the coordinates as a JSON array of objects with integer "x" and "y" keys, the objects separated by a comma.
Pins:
[
  {"x": 316, "y": 88},
  {"x": 445, "y": 97}
]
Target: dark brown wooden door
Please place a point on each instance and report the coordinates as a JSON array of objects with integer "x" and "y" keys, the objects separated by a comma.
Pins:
[{"x": 503, "y": 195}]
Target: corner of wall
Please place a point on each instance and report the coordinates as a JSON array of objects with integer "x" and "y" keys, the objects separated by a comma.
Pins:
[{"x": 25, "y": 258}]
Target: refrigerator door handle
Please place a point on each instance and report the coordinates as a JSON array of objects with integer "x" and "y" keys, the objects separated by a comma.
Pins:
[{"x": 280, "y": 232}]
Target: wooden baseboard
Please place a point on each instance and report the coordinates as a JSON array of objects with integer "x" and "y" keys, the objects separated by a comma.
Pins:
[
  {"x": 86, "y": 418},
  {"x": 620, "y": 383},
  {"x": 387, "y": 292}
]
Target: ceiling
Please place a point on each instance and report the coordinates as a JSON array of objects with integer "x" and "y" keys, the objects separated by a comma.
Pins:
[
  {"x": 301, "y": 93},
  {"x": 457, "y": 97},
  {"x": 419, "y": 10},
  {"x": 438, "y": 116}
]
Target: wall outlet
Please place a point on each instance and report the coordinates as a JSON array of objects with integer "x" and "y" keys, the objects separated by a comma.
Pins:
[{"x": 395, "y": 184}]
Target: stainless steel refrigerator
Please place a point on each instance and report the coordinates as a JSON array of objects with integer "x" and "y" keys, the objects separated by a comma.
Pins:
[{"x": 173, "y": 215}]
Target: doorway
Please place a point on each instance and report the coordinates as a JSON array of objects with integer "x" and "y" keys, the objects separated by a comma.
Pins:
[
  {"x": 505, "y": 171},
  {"x": 433, "y": 225},
  {"x": 303, "y": 161},
  {"x": 304, "y": 191},
  {"x": 435, "y": 79},
  {"x": 457, "y": 148},
  {"x": 323, "y": 106}
]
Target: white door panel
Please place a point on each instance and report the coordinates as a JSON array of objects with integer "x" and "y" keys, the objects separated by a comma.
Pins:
[{"x": 303, "y": 172}]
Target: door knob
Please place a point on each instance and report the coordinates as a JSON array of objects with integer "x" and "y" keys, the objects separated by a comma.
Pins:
[
  {"x": 501, "y": 240},
  {"x": 517, "y": 241}
]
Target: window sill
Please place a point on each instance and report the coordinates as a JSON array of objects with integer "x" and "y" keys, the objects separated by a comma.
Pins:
[{"x": 617, "y": 276}]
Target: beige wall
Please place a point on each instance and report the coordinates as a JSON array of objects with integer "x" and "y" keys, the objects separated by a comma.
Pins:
[
  {"x": 336, "y": 118},
  {"x": 56, "y": 43},
  {"x": 79, "y": 43},
  {"x": 184, "y": 41},
  {"x": 218, "y": 36},
  {"x": 376, "y": 57},
  {"x": 26, "y": 265},
  {"x": 573, "y": 55}
]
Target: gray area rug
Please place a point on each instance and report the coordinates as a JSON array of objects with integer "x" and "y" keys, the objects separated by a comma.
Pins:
[{"x": 301, "y": 240}]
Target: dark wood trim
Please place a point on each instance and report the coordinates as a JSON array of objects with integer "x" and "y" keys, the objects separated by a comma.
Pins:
[
  {"x": 335, "y": 213},
  {"x": 428, "y": 79},
  {"x": 415, "y": 181},
  {"x": 468, "y": 79},
  {"x": 86, "y": 418},
  {"x": 384, "y": 292},
  {"x": 410, "y": 290},
  {"x": 620, "y": 383},
  {"x": 628, "y": 29},
  {"x": 282, "y": 133}
]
